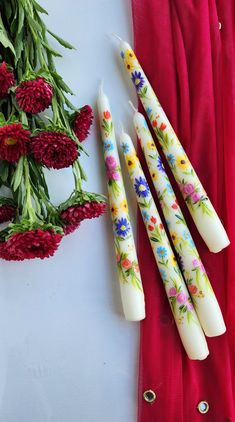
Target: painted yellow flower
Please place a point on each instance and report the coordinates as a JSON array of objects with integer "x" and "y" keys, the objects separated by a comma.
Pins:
[
  {"x": 114, "y": 210},
  {"x": 124, "y": 206},
  {"x": 154, "y": 175},
  {"x": 130, "y": 60},
  {"x": 173, "y": 261},
  {"x": 131, "y": 161},
  {"x": 175, "y": 237},
  {"x": 182, "y": 162},
  {"x": 151, "y": 145}
]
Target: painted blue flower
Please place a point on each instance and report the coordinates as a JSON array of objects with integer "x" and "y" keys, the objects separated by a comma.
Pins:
[
  {"x": 149, "y": 111},
  {"x": 187, "y": 236},
  {"x": 141, "y": 187},
  {"x": 163, "y": 273},
  {"x": 170, "y": 159},
  {"x": 137, "y": 80},
  {"x": 108, "y": 146},
  {"x": 169, "y": 188},
  {"x": 145, "y": 215},
  {"x": 160, "y": 165},
  {"x": 122, "y": 227},
  {"x": 125, "y": 148},
  {"x": 122, "y": 54},
  {"x": 162, "y": 252}
]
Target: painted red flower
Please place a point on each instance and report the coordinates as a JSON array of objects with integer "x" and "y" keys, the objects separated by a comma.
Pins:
[
  {"x": 77, "y": 213},
  {"x": 7, "y": 213},
  {"x": 126, "y": 263},
  {"x": 153, "y": 219},
  {"x": 192, "y": 288},
  {"x": 161, "y": 226},
  {"x": 174, "y": 206},
  {"x": 7, "y": 79},
  {"x": 154, "y": 123},
  {"x": 107, "y": 115},
  {"x": 13, "y": 142},
  {"x": 162, "y": 126},
  {"x": 34, "y": 96},
  {"x": 30, "y": 244},
  {"x": 82, "y": 122},
  {"x": 151, "y": 228},
  {"x": 54, "y": 149},
  {"x": 118, "y": 257}
]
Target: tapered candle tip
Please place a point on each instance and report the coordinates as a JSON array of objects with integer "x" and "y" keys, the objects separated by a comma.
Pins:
[
  {"x": 101, "y": 87},
  {"x": 132, "y": 106}
]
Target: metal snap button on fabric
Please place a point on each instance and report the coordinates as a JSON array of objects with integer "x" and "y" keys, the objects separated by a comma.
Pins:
[
  {"x": 149, "y": 396},
  {"x": 203, "y": 406}
]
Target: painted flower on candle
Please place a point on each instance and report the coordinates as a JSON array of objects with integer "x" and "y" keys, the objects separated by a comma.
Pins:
[
  {"x": 163, "y": 274},
  {"x": 182, "y": 162},
  {"x": 122, "y": 227},
  {"x": 188, "y": 188},
  {"x": 110, "y": 162},
  {"x": 113, "y": 175},
  {"x": 162, "y": 126},
  {"x": 129, "y": 59},
  {"x": 124, "y": 206},
  {"x": 160, "y": 165},
  {"x": 173, "y": 261},
  {"x": 171, "y": 159},
  {"x": 172, "y": 291},
  {"x": 149, "y": 111},
  {"x": 126, "y": 263},
  {"x": 153, "y": 219},
  {"x": 107, "y": 115},
  {"x": 192, "y": 289},
  {"x": 145, "y": 215},
  {"x": 174, "y": 206},
  {"x": 181, "y": 298},
  {"x": 141, "y": 187},
  {"x": 125, "y": 148},
  {"x": 114, "y": 210},
  {"x": 137, "y": 80},
  {"x": 131, "y": 161},
  {"x": 162, "y": 252},
  {"x": 154, "y": 123},
  {"x": 108, "y": 145},
  {"x": 154, "y": 176},
  {"x": 175, "y": 237},
  {"x": 151, "y": 145},
  {"x": 151, "y": 228},
  {"x": 195, "y": 197},
  {"x": 169, "y": 188}
]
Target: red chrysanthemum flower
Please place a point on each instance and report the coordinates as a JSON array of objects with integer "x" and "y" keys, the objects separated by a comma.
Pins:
[
  {"x": 70, "y": 228},
  {"x": 7, "y": 213},
  {"x": 76, "y": 213},
  {"x": 6, "y": 79},
  {"x": 13, "y": 142},
  {"x": 31, "y": 244},
  {"x": 34, "y": 96},
  {"x": 54, "y": 149},
  {"x": 82, "y": 122}
]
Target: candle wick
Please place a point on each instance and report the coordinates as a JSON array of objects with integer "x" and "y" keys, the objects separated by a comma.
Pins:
[
  {"x": 132, "y": 106},
  {"x": 116, "y": 36}
]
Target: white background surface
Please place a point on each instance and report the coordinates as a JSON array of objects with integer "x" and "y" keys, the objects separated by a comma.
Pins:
[{"x": 66, "y": 352}]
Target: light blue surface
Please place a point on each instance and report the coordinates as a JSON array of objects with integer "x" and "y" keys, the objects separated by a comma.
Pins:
[{"x": 67, "y": 354}]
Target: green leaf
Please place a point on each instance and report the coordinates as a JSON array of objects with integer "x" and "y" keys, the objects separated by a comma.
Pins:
[
  {"x": 61, "y": 40},
  {"x": 20, "y": 19},
  {"x": 39, "y": 8},
  {"x": 17, "y": 177},
  {"x": 50, "y": 49},
  {"x": 4, "y": 170},
  {"x": 4, "y": 40},
  {"x": 33, "y": 23}
]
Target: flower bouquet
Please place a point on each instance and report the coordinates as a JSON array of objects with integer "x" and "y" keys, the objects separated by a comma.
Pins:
[{"x": 31, "y": 141}]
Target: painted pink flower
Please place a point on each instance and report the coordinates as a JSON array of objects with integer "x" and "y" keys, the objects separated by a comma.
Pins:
[
  {"x": 188, "y": 188},
  {"x": 196, "y": 263},
  {"x": 118, "y": 257},
  {"x": 172, "y": 291},
  {"x": 195, "y": 197},
  {"x": 202, "y": 268},
  {"x": 181, "y": 298},
  {"x": 174, "y": 206},
  {"x": 189, "y": 306},
  {"x": 110, "y": 162},
  {"x": 115, "y": 176}
]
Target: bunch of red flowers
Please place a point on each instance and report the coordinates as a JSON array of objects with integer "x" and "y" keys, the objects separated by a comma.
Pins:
[{"x": 32, "y": 227}]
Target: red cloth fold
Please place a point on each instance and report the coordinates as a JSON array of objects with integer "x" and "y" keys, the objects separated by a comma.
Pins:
[{"x": 191, "y": 65}]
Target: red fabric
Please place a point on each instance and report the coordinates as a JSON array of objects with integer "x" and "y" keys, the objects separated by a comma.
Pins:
[{"x": 191, "y": 65}]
